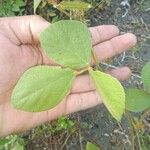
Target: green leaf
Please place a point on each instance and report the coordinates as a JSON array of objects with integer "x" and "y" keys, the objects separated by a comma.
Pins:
[
  {"x": 68, "y": 42},
  {"x": 146, "y": 77},
  {"x": 137, "y": 100},
  {"x": 3, "y": 141},
  {"x": 20, "y": 3},
  {"x": 91, "y": 146},
  {"x": 41, "y": 88},
  {"x": 15, "y": 8},
  {"x": 74, "y": 5},
  {"x": 111, "y": 92},
  {"x": 36, "y": 4}
]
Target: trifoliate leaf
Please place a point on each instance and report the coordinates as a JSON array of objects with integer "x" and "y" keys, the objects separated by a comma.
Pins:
[
  {"x": 137, "y": 100},
  {"x": 41, "y": 88},
  {"x": 68, "y": 42},
  {"x": 74, "y": 5},
  {"x": 146, "y": 77},
  {"x": 111, "y": 92},
  {"x": 91, "y": 146}
]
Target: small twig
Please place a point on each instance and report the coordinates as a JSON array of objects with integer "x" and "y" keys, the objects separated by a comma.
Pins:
[
  {"x": 132, "y": 129},
  {"x": 132, "y": 57},
  {"x": 65, "y": 141},
  {"x": 135, "y": 75},
  {"x": 79, "y": 133},
  {"x": 122, "y": 132},
  {"x": 138, "y": 141},
  {"x": 126, "y": 5},
  {"x": 143, "y": 116},
  {"x": 125, "y": 13},
  {"x": 81, "y": 71},
  {"x": 148, "y": 9},
  {"x": 146, "y": 27},
  {"x": 123, "y": 56}
]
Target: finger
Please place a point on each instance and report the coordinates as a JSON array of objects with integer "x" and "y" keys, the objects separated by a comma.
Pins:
[
  {"x": 24, "y": 29},
  {"x": 27, "y": 120},
  {"x": 74, "y": 103},
  {"x": 114, "y": 46},
  {"x": 83, "y": 83},
  {"x": 82, "y": 101},
  {"x": 120, "y": 73},
  {"x": 103, "y": 33}
]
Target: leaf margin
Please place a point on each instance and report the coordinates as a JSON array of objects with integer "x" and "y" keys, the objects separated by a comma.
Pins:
[
  {"x": 22, "y": 78},
  {"x": 118, "y": 118}
]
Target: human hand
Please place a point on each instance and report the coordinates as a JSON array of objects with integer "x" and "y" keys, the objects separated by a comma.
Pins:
[{"x": 20, "y": 50}]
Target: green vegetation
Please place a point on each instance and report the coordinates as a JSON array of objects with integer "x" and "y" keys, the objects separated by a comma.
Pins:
[
  {"x": 144, "y": 140},
  {"x": 12, "y": 142},
  {"x": 16, "y": 142},
  {"x": 12, "y": 7},
  {"x": 91, "y": 146},
  {"x": 144, "y": 5},
  {"x": 60, "y": 125},
  {"x": 76, "y": 9},
  {"x": 139, "y": 100}
]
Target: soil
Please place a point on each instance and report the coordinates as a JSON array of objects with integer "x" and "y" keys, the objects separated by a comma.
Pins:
[{"x": 100, "y": 127}]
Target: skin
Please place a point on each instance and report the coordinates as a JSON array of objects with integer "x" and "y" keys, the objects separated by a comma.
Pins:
[{"x": 20, "y": 50}]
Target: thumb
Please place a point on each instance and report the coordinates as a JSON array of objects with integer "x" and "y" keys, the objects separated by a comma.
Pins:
[{"x": 26, "y": 29}]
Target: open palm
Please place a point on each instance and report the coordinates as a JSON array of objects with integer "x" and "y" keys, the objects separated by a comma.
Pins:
[{"x": 20, "y": 50}]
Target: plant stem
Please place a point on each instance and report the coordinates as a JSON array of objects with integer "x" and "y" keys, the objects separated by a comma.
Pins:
[
  {"x": 61, "y": 10},
  {"x": 66, "y": 141},
  {"x": 82, "y": 71},
  {"x": 96, "y": 62},
  {"x": 95, "y": 58},
  {"x": 55, "y": 5}
]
